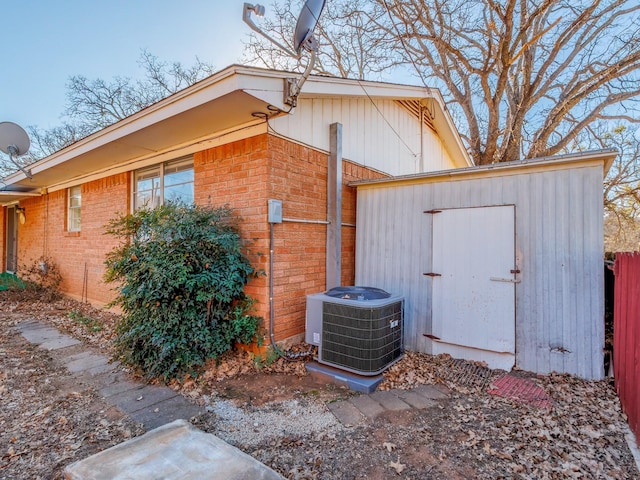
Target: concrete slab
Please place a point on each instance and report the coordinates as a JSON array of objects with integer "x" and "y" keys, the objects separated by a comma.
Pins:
[
  {"x": 166, "y": 411},
  {"x": 116, "y": 388},
  {"x": 369, "y": 407},
  {"x": 415, "y": 400},
  {"x": 40, "y": 335},
  {"x": 133, "y": 400},
  {"x": 357, "y": 383},
  {"x": 390, "y": 401},
  {"x": 63, "y": 341},
  {"x": 174, "y": 451},
  {"x": 106, "y": 368},
  {"x": 109, "y": 378},
  {"x": 430, "y": 391},
  {"x": 31, "y": 324},
  {"x": 346, "y": 413},
  {"x": 86, "y": 361}
]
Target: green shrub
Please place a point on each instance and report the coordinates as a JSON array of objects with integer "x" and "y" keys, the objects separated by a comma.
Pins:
[
  {"x": 182, "y": 271},
  {"x": 9, "y": 281}
]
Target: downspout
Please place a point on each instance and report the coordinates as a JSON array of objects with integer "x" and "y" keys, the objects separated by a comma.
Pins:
[{"x": 272, "y": 338}]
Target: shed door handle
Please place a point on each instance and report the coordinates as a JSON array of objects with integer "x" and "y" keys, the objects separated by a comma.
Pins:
[{"x": 507, "y": 280}]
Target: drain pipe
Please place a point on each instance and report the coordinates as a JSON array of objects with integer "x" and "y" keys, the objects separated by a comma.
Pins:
[
  {"x": 275, "y": 216},
  {"x": 272, "y": 337}
]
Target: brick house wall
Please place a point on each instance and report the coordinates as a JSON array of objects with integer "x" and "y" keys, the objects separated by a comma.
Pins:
[
  {"x": 79, "y": 256},
  {"x": 244, "y": 175}
]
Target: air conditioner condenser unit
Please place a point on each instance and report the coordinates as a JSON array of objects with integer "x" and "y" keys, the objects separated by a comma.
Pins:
[{"x": 357, "y": 329}]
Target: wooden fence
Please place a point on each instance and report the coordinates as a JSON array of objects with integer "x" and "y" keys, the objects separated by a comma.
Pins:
[{"x": 626, "y": 336}]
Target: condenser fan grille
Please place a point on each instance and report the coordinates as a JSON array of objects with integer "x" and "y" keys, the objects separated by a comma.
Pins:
[{"x": 364, "y": 340}]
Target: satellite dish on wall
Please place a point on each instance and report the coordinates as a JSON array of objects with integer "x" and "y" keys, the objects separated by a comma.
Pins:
[
  {"x": 14, "y": 141},
  {"x": 303, "y": 39}
]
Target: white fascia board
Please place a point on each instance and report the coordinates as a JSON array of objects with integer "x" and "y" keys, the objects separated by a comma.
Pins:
[
  {"x": 332, "y": 86},
  {"x": 154, "y": 158},
  {"x": 569, "y": 160},
  {"x": 267, "y": 87},
  {"x": 8, "y": 198},
  {"x": 449, "y": 132}
]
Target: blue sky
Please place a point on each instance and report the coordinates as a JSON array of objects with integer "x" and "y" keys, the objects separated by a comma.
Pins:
[{"x": 46, "y": 42}]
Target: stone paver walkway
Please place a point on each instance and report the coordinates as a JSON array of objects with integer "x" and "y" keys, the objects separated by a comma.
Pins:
[
  {"x": 361, "y": 409},
  {"x": 154, "y": 406},
  {"x": 150, "y": 405}
]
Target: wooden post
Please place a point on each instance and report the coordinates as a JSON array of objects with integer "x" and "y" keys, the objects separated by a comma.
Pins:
[{"x": 334, "y": 207}]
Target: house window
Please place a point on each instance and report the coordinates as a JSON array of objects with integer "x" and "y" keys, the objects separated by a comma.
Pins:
[
  {"x": 74, "y": 202},
  {"x": 167, "y": 182}
]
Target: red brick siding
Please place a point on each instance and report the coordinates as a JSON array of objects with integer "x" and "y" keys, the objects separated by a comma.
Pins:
[
  {"x": 244, "y": 175},
  {"x": 236, "y": 175},
  {"x": 299, "y": 179},
  {"x": 44, "y": 234}
]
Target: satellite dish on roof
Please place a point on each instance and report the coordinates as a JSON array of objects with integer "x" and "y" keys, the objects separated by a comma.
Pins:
[
  {"x": 14, "y": 141},
  {"x": 306, "y": 24},
  {"x": 303, "y": 39}
]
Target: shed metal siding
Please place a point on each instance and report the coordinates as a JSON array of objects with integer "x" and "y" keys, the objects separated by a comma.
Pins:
[
  {"x": 379, "y": 134},
  {"x": 559, "y": 245}
]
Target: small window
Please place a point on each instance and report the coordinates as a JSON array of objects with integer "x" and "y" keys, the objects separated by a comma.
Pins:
[
  {"x": 167, "y": 182},
  {"x": 74, "y": 196}
]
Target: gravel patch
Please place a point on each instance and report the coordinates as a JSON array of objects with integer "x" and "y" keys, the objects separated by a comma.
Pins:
[{"x": 252, "y": 426}]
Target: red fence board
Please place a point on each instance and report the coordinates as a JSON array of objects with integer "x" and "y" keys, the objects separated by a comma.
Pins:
[{"x": 626, "y": 336}]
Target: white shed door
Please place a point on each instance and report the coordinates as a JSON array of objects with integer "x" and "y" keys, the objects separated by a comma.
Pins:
[{"x": 474, "y": 298}]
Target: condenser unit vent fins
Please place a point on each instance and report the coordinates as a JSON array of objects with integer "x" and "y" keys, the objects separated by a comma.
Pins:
[{"x": 361, "y": 339}]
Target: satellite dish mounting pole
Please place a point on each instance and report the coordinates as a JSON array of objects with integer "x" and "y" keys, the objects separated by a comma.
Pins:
[
  {"x": 259, "y": 11},
  {"x": 302, "y": 39},
  {"x": 13, "y": 151}
]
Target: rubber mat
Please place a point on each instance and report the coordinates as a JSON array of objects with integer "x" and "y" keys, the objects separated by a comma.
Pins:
[{"x": 521, "y": 390}]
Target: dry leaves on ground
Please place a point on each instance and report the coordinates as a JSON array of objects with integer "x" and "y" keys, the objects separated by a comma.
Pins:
[{"x": 470, "y": 434}]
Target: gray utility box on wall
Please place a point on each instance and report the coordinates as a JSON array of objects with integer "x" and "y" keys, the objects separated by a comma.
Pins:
[{"x": 358, "y": 329}]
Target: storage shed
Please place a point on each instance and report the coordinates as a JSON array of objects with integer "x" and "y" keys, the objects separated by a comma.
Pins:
[{"x": 499, "y": 263}]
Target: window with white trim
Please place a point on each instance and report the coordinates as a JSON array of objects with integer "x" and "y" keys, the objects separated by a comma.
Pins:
[
  {"x": 74, "y": 203},
  {"x": 167, "y": 182}
]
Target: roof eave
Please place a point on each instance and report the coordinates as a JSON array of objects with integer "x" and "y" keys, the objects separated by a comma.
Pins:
[{"x": 605, "y": 156}]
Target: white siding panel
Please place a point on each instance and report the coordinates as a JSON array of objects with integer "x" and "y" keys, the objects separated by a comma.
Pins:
[
  {"x": 381, "y": 135},
  {"x": 559, "y": 245}
]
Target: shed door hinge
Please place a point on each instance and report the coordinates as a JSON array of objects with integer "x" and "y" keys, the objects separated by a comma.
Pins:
[
  {"x": 432, "y": 274},
  {"x": 432, "y": 211}
]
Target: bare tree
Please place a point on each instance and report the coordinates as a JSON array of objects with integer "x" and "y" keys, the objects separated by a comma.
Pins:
[
  {"x": 351, "y": 45},
  {"x": 46, "y": 142},
  {"x": 95, "y": 104},
  {"x": 98, "y": 103},
  {"x": 621, "y": 187},
  {"x": 525, "y": 77}
]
